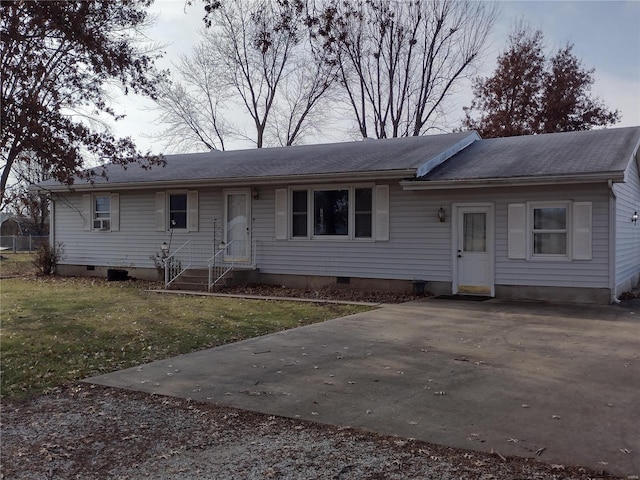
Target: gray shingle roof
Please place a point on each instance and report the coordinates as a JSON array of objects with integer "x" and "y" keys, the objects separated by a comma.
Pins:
[
  {"x": 556, "y": 154},
  {"x": 552, "y": 155},
  {"x": 384, "y": 155}
]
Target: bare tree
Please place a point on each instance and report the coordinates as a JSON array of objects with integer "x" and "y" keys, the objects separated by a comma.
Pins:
[
  {"x": 303, "y": 99},
  {"x": 256, "y": 55},
  {"x": 400, "y": 60},
  {"x": 193, "y": 109},
  {"x": 250, "y": 50}
]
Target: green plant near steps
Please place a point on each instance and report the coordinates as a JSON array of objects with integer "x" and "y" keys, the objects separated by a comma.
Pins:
[{"x": 47, "y": 258}]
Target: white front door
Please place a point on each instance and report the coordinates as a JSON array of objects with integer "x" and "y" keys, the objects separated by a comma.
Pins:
[
  {"x": 473, "y": 250},
  {"x": 237, "y": 225}
]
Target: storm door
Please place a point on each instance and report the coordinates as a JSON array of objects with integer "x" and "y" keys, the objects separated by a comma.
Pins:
[
  {"x": 237, "y": 225},
  {"x": 474, "y": 248}
]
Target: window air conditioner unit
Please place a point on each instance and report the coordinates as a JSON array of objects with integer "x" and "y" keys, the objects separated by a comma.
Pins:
[{"x": 101, "y": 224}]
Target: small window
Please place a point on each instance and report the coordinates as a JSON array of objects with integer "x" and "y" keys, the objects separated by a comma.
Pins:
[
  {"x": 102, "y": 212},
  {"x": 331, "y": 212},
  {"x": 550, "y": 230},
  {"x": 299, "y": 213},
  {"x": 178, "y": 210},
  {"x": 363, "y": 212}
]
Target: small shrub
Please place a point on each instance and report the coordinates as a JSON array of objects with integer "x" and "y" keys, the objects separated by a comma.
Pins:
[
  {"x": 160, "y": 259},
  {"x": 47, "y": 258}
]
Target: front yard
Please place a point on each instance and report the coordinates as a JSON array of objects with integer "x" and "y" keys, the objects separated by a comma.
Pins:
[{"x": 56, "y": 331}]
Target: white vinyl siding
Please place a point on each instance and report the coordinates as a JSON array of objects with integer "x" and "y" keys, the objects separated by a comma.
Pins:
[
  {"x": 517, "y": 225},
  {"x": 382, "y": 213},
  {"x": 281, "y": 214},
  {"x": 192, "y": 211},
  {"x": 418, "y": 248},
  {"x": 417, "y": 245},
  {"x": 591, "y": 273},
  {"x": 627, "y": 233},
  {"x": 138, "y": 237},
  {"x": 161, "y": 220},
  {"x": 581, "y": 223},
  {"x": 87, "y": 214},
  {"x": 115, "y": 212}
]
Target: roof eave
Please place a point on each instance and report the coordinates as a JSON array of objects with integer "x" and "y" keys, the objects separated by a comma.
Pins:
[
  {"x": 235, "y": 182},
  {"x": 616, "y": 176}
]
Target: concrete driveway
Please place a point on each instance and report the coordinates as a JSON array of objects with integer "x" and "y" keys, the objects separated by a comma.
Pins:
[{"x": 557, "y": 383}]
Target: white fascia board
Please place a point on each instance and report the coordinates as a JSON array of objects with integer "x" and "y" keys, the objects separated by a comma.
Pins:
[
  {"x": 236, "y": 182},
  {"x": 507, "y": 182},
  {"x": 446, "y": 154}
]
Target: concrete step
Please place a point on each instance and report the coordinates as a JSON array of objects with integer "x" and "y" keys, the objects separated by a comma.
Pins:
[{"x": 198, "y": 279}]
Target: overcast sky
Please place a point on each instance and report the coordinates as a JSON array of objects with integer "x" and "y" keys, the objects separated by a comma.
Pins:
[{"x": 605, "y": 34}]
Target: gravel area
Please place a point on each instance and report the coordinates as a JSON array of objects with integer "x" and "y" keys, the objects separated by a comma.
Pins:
[{"x": 86, "y": 431}]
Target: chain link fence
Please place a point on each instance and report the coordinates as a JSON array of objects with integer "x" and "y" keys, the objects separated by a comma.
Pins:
[{"x": 22, "y": 243}]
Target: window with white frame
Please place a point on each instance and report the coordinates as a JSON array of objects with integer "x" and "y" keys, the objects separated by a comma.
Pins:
[
  {"x": 344, "y": 212},
  {"x": 549, "y": 231},
  {"x": 177, "y": 210},
  {"x": 560, "y": 230},
  {"x": 102, "y": 212}
]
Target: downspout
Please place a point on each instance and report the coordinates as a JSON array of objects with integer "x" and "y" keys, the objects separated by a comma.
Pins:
[{"x": 612, "y": 243}]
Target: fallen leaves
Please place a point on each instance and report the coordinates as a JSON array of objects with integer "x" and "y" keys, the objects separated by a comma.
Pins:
[{"x": 133, "y": 433}]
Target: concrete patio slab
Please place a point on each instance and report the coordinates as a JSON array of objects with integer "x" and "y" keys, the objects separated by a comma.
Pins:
[{"x": 555, "y": 383}]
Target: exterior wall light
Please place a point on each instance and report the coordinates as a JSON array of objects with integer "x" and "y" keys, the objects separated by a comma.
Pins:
[
  {"x": 441, "y": 215},
  {"x": 165, "y": 248},
  {"x": 634, "y": 218}
]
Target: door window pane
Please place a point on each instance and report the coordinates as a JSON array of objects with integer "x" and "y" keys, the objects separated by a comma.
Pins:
[
  {"x": 331, "y": 212},
  {"x": 237, "y": 226},
  {"x": 474, "y": 234}
]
